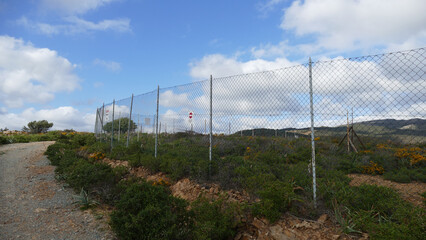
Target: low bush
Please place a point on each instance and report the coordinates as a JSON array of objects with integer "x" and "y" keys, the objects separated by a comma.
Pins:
[
  {"x": 381, "y": 212},
  {"x": 150, "y": 212},
  {"x": 82, "y": 174},
  {"x": 82, "y": 139},
  {"x": 3, "y": 140},
  {"x": 101, "y": 147},
  {"x": 216, "y": 219},
  {"x": 406, "y": 175},
  {"x": 276, "y": 198},
  {"x": 55, "y": 152}
]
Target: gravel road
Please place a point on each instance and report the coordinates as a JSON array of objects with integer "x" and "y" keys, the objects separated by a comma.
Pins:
[{"x": 33, "y": 205}]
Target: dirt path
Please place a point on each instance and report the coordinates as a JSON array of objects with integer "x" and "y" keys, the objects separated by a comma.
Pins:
[
  {"x": 33, "y": 205},
  {"x": 409, "y": 191}
]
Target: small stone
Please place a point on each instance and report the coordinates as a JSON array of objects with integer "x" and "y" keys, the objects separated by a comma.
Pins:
[
  {"x": 257, "y": 223},
  {"x": 40, "y": 210},
  {"x": 289, "y": 233},
  {"x": 322, "y": 218},
  {"x": 277, "y": 233},
  {"x": 335, "y": 237}
]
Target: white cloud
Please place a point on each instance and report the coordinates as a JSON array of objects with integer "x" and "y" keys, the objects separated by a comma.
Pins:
[
  {"x": 375, "y": 87},
  {"x": 265, "y": 7},
  {"x": 74, "y": 6},
  {"x": 76, "y": 25},
  {"x": 357, "y": 24},
  {"x": 62, "y": 118},
  {"x": 170, "y": 99},
  {"x": 30, "y": 74},
  {"x": 110, "y": 65},
  {"x": 219, "y": 65},
  {"x": 81, "y": 25},
  {"x": 271, "y": 50}
]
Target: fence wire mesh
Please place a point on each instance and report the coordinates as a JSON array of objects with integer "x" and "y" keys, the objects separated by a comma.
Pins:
[{"x": 381, "y": 96}]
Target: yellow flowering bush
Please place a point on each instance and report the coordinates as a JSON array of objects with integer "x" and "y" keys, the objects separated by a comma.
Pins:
[
  {"x": 161, "y": 182},
  {"x": 382, "y": 146},
  {"x": 97, "y": 156},
  {"x": 250, "y": 154},
  {"x": 373, "y": 168},
  {"x": 414, "y": 154}
]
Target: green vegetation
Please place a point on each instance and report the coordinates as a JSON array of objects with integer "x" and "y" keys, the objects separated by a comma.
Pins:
[
  {"x": 38, "y": 126},
  {"x": 39, "y": 137},
  {"x": 122, "y": 124},
  {"x": 273, "y": 170},
  {"x": 145, "y": 211}
]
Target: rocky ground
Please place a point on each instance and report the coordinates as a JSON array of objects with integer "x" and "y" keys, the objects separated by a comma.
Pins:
[{"x": 33, "y": 205}]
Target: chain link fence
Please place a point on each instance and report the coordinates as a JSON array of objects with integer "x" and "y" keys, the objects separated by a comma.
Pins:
[
  {"x": 356, "y": 102},
  {"x": 380, "y": 96}
]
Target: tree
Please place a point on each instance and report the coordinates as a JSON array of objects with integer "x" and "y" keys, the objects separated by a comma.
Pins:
[
  {"x": 124, "y": 125},
  {"x": 39, "y": 126},
  {"x": 25, "y": 129}
]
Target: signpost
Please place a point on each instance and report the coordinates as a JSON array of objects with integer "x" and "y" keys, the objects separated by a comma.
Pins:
[{"x": 190, "y": 119}]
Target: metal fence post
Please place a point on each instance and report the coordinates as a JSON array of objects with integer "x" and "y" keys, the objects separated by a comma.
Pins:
[
  {"x": 156, "y": 122},
  {"x": 138, "y": 127},
  {"x": 112, "y": 125},
  {"x": 119, "y": 126},
  {"x": 96, "y": 122},
  {"x": 211, "y": 123},
  {"x": 102, "y": 121},
  {"x": 130, "y": 122},
  {"x": 312, "y": 134}
]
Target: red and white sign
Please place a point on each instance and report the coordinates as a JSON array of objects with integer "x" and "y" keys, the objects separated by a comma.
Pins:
[{"x": 190, "y": 116}]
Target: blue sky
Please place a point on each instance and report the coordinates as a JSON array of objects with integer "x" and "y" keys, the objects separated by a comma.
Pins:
[{"x": 60, "y": 59}]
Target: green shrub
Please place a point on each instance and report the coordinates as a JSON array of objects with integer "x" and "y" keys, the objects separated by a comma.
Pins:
[
  {"x": 55, "y": 152},
  {"x": 118, "y": 152},
  {"x": 146, "y": 160},
  {"x": 382, "y": 213},
  {"x": 149, "y": 212},
  {"x": 82, "y": 174},
  {"x": 68, "y": 158},
  {"x": 177, "y": 168},
  {"x": 214, "y": 220},
  {"x": 4, "y": 140},
  {"x": 276, "y": 198},
  {"x": 382, "y": 199},
  {"x": 78, "y": 140},
  {"x": 120, "y": 171},
  {"x": 332, "y": 185},
  {"x": 225, "y": 172},
  {"x": 406, "y": 175},
  {"x": 20, "y": 138},
  {"x": 98, "y": 147}
]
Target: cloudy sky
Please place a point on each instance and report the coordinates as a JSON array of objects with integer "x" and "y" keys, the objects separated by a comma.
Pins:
[{"x": 61, "y": 59}]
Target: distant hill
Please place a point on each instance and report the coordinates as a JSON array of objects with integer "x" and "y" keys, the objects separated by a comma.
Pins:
[
  {"x": 415, "y": 123},
  {"x": 411, "y": 130}
]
